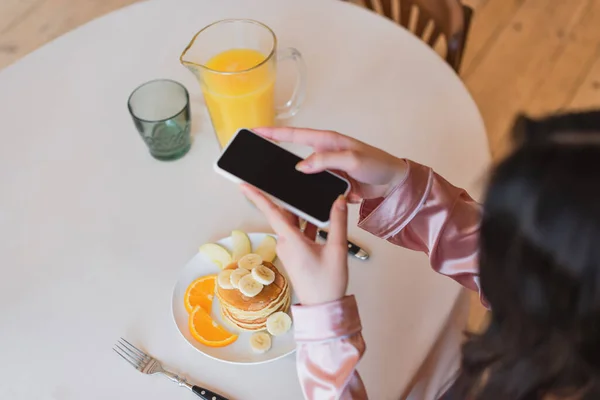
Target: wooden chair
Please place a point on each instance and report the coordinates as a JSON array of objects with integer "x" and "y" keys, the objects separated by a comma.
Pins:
[{"x": 434, "y": 18}]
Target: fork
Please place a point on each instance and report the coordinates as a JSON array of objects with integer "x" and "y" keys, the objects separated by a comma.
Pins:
[{"x": 150, "y": 365}]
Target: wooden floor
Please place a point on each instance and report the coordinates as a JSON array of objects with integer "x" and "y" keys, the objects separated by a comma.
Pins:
[{"x": 532, "y": 56}]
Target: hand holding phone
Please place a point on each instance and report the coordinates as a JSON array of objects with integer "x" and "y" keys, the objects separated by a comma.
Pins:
[
  {"x": 265, "y": 165},
  {"x": 318, "y": 273},
  {"x": 374, "y": 173}
]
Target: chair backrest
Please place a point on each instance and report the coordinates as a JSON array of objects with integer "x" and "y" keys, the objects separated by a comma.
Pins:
[{"x": 434, "y": 18}]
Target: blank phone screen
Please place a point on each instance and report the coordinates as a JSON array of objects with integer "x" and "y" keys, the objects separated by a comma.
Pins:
[{"x": 272, "y": 169}]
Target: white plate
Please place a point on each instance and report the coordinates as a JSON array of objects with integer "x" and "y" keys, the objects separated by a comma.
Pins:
[{"x": 238, "y": 352}]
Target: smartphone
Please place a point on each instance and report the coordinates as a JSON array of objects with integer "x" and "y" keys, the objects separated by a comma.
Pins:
[{"x": 261, "y": 163}]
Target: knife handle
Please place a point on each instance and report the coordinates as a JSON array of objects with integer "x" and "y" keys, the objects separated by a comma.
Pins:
[
  {"x": 353, "y": 249},
  {"x": 206, "y": 394}
]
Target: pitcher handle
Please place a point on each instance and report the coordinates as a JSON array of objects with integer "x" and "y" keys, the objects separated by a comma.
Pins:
[{"x": 291, "y": 107}]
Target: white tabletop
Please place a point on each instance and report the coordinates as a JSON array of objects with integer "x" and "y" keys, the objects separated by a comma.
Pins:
[{"x": 93, "y": 230}]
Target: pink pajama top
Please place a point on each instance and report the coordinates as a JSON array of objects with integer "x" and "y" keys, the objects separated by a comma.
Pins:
[{"x": 423, "y": 213}]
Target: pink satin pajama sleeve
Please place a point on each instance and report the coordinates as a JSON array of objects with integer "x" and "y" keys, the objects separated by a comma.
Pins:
[
  {"x": 423, "y": 213},
  {"x": 426, "y": 213},
  {"x": 329, "y": 345}
]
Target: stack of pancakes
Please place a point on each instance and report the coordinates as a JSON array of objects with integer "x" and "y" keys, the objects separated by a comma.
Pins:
[{"x": 251, "y": 313}]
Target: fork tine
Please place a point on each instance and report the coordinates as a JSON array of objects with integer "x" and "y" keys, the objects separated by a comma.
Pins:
[
  {"x": 136, "y": 349},
  {"x": 127, "y": 359},
  {"x": 139, "y": 360}
]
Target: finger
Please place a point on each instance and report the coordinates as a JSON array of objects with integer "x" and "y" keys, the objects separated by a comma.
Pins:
[
  {"x": 309, "y": 137},
  {"x": 310, "y": 232},
  {"x": 338, "y": 230},
  {"x": 345, "y": 161},
  {"x": 278, "y": 220},
  {"x": 291, "y": 218},
  {"x": 354, "y": 198}
]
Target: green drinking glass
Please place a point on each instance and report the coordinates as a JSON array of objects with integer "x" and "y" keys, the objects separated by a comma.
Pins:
[{"x": 161, "y": 113}]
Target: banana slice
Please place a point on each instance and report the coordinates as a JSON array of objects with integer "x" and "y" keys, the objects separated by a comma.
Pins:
[
  {"x": 278, "y": 323},
  {"x": 266, "y": 249},
  {"x": 216, "y": 254},
  {"x": 249, "y": 287},
  {"x": 224, "y": 279},
  {"x": 263, "y": 275},
  {"x": 260, "y": 342},
  {"x": 236, "y": 275},
  {"x": 241, "y": 244},
  {"x": 250, "y": 261}
]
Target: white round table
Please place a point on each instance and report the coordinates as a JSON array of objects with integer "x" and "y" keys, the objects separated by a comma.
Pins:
[{"x": 93, "y": 230}]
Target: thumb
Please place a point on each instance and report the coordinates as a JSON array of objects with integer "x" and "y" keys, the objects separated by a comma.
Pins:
[{"x": 338, "y": 230}]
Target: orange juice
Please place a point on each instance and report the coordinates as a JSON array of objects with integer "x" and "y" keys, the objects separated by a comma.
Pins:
[{"x": 240, "y": 92}]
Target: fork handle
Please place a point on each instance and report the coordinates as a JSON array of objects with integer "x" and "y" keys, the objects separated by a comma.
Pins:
[{"x": 206, "y": 394}]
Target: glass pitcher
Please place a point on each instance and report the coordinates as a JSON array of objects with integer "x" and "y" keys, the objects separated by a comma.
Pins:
[{"x": 235, "y": 61}]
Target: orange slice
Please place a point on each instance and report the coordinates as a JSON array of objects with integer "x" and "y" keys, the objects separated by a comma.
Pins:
[
  {"x": 207, "y": 331},
  {"x": 200, "y": 293}
]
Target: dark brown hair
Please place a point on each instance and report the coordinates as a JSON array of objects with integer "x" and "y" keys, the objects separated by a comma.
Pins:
[{"x": 540, "y": 268}]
